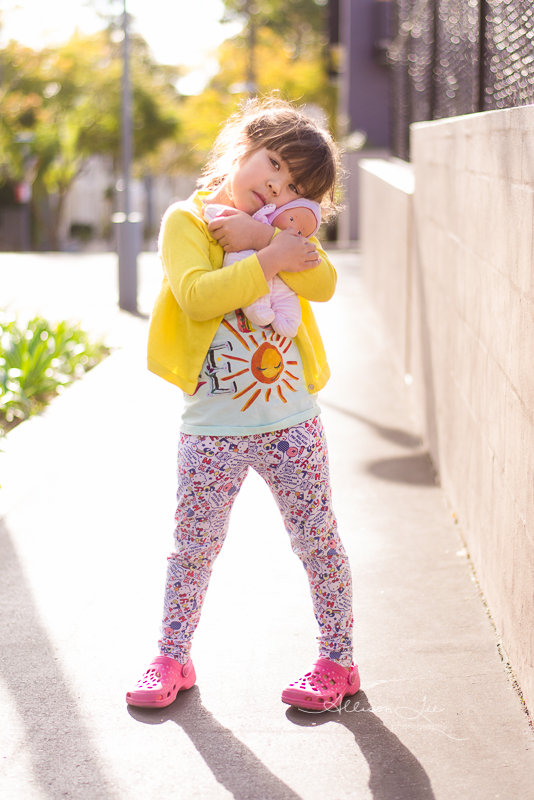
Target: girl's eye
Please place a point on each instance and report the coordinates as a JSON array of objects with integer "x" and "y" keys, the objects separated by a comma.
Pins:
[
  {"x": 293, "y": 188},
  {"x": 275, "y": 163}
]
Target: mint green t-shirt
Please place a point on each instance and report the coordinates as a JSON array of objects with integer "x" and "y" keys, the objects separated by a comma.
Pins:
[{"x": 252, "y": 381}]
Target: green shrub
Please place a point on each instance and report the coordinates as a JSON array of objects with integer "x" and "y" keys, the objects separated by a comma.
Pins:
[{"x": 37, "y": 361}]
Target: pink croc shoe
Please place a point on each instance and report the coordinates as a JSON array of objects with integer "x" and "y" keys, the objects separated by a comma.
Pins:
[
  {"x": 162, "y": 681},
  {"x": 324, "y": 687}
]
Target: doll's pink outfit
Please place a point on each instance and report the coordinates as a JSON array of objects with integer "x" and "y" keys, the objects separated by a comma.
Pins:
[{"x": 280, "y": 308}]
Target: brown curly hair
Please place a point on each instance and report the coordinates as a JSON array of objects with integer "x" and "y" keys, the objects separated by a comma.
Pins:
[{"x": 309, "y": 150}]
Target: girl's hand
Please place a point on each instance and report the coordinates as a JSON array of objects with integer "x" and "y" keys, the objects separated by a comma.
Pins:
[
  {"x": 235, "y": 230},
  {"x": 288, "y": 252}
]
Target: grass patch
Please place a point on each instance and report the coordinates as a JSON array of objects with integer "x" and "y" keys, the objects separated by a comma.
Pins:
[{"x": 37, "y": 362}]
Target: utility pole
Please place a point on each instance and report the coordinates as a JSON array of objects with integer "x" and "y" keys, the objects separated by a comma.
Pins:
[
  {"x": 126, "y": 114},
  {"x": 128, "y": 224},
  {"x": 251, "y": 66}
]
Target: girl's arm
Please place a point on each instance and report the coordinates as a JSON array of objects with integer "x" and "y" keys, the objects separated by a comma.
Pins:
[
  {"x": 201, "y": 290},
  {"x": 318, "y": 284},
  {"x": 236, "y": 230}
]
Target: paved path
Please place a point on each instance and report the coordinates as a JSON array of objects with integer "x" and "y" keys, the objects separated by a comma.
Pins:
[{"x": 86, "y": 521}]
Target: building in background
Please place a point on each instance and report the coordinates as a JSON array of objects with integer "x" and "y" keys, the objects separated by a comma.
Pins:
[
  {"x": 360, "y": 34},
  {"x": 15, "y": 216},
  {"x": 95, "y": 195}
]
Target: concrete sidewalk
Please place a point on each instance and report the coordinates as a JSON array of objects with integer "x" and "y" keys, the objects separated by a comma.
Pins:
[{"x": 86, "y": 523}]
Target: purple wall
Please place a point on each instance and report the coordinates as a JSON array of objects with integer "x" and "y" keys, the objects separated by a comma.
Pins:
[{"x": 364, "y": 89}]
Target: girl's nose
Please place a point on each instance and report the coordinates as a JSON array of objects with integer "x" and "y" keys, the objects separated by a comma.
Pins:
[{"x": 273, "y": 187}]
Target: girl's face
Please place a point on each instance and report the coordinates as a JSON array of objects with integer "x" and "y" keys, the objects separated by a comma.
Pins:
[{"x": 258, "y": 179}]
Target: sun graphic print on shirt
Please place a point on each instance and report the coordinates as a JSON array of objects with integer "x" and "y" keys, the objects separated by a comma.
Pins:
[
  {"x": 261, "y": 370},
  {"x": 252, "y": 380}
]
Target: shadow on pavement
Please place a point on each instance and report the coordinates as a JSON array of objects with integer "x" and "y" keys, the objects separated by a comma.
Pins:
[
  {"x": 415, "y": 470},
  {"x": 62, "y": 758},
  {"x": 396, "y": 774},
  {"x": 395, "y": 435},
  {"x": 233, "y": 764}
]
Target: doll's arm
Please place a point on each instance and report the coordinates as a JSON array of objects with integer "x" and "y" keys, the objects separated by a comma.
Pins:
[{"x": 212, "y": 210}]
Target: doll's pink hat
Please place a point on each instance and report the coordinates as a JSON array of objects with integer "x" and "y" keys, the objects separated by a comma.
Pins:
[{"x": 302, "y": 203}]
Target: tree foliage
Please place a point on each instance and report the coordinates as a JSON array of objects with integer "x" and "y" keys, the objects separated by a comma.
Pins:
[
  {"x": 61, "y": 105},
  {"x": 300, "y": 24},
  {"x": 301, "y": 79},
  {"x": 280, "y": 48}
]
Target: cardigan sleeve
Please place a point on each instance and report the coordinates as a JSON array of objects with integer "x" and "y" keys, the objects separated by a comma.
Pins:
[
  {"x": 317, "y": 284},
  {"x": 191, "y": 260}
]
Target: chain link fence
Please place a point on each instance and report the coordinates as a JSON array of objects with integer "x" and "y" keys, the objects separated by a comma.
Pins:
[{"x": 452, "y": 57}]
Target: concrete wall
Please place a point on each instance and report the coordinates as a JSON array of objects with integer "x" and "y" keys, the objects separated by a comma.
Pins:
[
  {"x": 469, "y": 307},
  {"x": 348, "y": 220},
  {"x": 388, "y": 189}
]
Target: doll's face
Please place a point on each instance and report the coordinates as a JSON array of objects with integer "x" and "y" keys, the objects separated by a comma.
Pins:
[{"x": 301, "y": 219}]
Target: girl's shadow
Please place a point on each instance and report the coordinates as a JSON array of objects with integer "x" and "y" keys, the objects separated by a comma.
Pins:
[
  {"x": 233, "y": 764},
  {"x": 395, "y": 772}
]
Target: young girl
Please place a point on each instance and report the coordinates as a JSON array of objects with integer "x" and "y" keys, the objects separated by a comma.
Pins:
[{"x": 251, "y": 395}]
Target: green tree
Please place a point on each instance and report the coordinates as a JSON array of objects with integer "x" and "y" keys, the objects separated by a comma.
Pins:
[
  {"x": 61, "y": 105},
  {"x": 301, "y": 78},
  {"x": 281, "y": 47},
  {"x": 299, "y": 25}
]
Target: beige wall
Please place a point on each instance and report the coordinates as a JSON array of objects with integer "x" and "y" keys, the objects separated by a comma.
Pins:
[
  {"x": 469, "y": 307},
  {"x": 387, "y": 188},
  {"x": 348, "y": 231}
]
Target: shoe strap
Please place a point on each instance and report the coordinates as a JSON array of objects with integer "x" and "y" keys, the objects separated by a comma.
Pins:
[
  {"x": 168, "y": 661},
  {"x": 325, "y": 665}
]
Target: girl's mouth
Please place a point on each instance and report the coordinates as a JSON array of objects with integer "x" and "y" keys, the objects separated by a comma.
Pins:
[{"x": 260, "y": 197}]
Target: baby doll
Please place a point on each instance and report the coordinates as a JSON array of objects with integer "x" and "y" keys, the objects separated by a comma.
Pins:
[{"x": 280, "y": 308}]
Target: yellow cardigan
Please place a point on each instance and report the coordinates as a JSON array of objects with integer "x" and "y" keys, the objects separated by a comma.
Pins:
[{"x": 196, "y": 294}]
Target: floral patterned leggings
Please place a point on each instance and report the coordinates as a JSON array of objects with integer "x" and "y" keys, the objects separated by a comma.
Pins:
[{"x": 294, "y": 464}]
